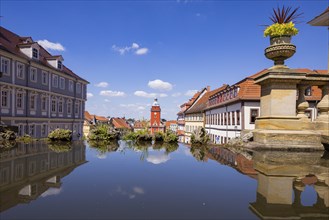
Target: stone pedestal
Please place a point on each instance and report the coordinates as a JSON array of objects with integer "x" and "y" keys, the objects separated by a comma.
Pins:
[{"x": 279, "y": 126}]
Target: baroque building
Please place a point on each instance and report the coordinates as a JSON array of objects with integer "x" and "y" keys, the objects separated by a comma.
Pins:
[{"x": 37, "y": 92}]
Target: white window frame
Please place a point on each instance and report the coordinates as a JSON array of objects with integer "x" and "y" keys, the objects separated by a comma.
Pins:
[
  {"x": 7, "y": 72},
  {"x": 21, "y": 101},
  {"x": 37, "y": 51},
  {"x": 76, "y": 109},
  {"x": 61, "y": 105},
  {"x": 69, "y": 107},
  {"x": 43, "y": 130},
  {"x": 32, "y": 134},
  {"x": 7, "y": 98},
  {"x": 53, "y": 110},
  {"x": 44, "y": 77},
  {"x": 20, "y": 70},
  {"x": 62, "y": 83},
  {"x": 78, "y": 88},
  {"x": 33, "y": 72},
  {"x": 34, "y": 107},
  {"x": 55, "y": 81},
  {"x": 44, "y": 100},
  {"x": 71, "y": 85},
  {"x": 59, "y": 64}
]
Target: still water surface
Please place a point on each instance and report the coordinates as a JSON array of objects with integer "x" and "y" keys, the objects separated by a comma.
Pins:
[{"x": 126, "y": 181}]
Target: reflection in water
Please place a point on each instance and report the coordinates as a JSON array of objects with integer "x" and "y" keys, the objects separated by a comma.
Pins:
[
  {"x": 104, "y": 147},
  {"x": 199, "y": 152},
  {"x": 282, "y": 179},
  {"x": 32, "y": 170},
  {"x": 274, "y": 185}
]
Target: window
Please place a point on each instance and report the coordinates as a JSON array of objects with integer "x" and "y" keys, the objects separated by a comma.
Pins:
[
  {"x": 43, "y": 129},
  {"x": 253, "y": 115},
  {"x": 19, "y": 100},
  {"x": 35, "y": 53},
  {"x": 44, "y": 103},
  {"x": 70, "y": 85},
  {"x": 20, "y": 70},
  {"x": 31, "y": 130},
  {"x": 60, "y": 105},
  {"x": 308, "y": 91},
  {"x": 33, "y": 74},
  {"x": 225, "y": 118},
  {"x": 5, "y": 66},
  {"x": 62, "y": 83},
  {"x": 76, "y": 110},
  {"x": 5, "y": 99},
  {"x": 237, "y": 117},
  {"x": 233, "y": 118},
  {"x": 53, "y": 105},
  {"x": 78, "y": 88},
  {"x": 55, "y": 81},
  {"x": 33, "y": 101},
  {"x": 21, "y": 130},
  {"x": 44, "y": 78},
  {"x": 69, "y": 107},
  {"x": 229, "y": 118},
  {"x": 59, "y": 64}
]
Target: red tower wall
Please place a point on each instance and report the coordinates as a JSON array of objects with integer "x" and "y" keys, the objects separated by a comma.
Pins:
[{"x": 155, "y": 118}]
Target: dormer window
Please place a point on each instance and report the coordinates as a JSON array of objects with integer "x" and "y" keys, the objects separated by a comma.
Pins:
[
  {"x": 59, "y": 64},
  {"x": 35, "y": 53}
]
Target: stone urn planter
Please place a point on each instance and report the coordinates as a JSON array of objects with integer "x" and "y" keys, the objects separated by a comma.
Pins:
[{"x": 280, "y": 49}]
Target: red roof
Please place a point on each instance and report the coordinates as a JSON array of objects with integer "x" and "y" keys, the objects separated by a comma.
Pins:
[
  {"x": 10, "y": 41},
  {"x": 120, "y": 123},
  {"x": 88, "y": 116}
]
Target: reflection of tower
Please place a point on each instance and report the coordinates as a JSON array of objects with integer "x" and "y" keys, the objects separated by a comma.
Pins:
[{"x": 155, "y": 119}]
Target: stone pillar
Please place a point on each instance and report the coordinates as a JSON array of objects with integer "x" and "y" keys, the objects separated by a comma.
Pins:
[
  {"x": 302, "y": 104},
  {"x": 276, "y": 189},
  {"x": 323, "y": 105}
]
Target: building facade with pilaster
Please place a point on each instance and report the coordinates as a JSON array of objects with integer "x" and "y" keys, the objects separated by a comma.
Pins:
[{"x": 37, "y": 92}]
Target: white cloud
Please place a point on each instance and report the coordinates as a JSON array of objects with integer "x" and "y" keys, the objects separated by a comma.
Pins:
[
  {"x": 107, "y": 100},
  {"x": 160, "y": 85},
  {"x": 145, "y": 94},
  {"x": 157, "y": 159},
  {"x": 102, "y": 84},
  {"x": 142, "y": 51},
  {"x": 50, "y": 45},
  {"x": 89, "y": 95},
  {"x": 112, "y": 93},
  {"x": 51, "y": 192},
  {"x": 135, "y": 48},
  {"x": 191, "y": 92},
  {"x": 149, "y": 95},
  {"x": 176, "y": 94},
  {"x": 138, "y": 190},
  {"x": 141, "y": 108}
]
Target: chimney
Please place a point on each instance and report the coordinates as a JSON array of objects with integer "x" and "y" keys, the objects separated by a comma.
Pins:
[{"x": 208, "y": 88}]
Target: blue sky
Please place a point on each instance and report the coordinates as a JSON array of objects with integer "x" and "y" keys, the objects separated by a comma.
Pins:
[{"x": 131, "y": 51}]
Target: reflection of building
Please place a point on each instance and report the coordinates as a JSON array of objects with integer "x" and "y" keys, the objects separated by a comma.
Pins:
[
  {"x": 155, "y": 120},
  {"x": 30, "y": 170},
  {"x": 281, "y": 181},
  {"x": 37, "y": 92},
  {"x": 241, "y": 161}
]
